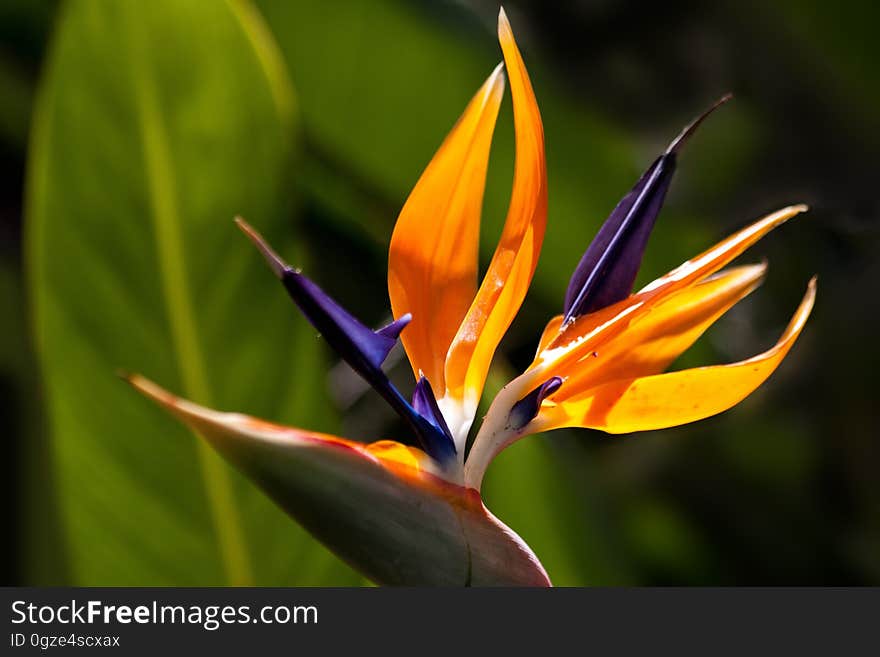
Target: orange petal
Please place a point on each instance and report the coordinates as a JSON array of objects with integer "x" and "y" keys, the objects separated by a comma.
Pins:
[
  {"x": 511, "y": 269},
  {"x": 391, "y": 452},
  {"x": 589, "y": 332},
  {"x": 432, "y": 263},
  {"x": 655, "y": 339},
  {"x": 719, "y": 255},
  {"x": 551, "y": 331},
  {"x": 667, "y": 400}
]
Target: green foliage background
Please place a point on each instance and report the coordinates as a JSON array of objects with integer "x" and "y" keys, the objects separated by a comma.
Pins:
[{"x": 143, "y": 128}]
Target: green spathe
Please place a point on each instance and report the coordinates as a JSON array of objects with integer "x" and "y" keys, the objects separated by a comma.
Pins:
[{"x": 398, "y": 529}]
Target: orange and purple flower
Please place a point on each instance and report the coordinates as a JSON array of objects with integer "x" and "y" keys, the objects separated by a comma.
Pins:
[{"x": 412, "y": 513}]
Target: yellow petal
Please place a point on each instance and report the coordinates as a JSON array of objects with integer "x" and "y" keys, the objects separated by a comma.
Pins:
[
  {"x": 719, "y": 255},
  {"x": 511, "y": 269},
  {"x": 390, "y": 451},
  {"x": 432, "y": 262},
  {"x": 667, "y": 400},
  {"x": 658, "y": 337},
  {"x": 551, "y": 331}
]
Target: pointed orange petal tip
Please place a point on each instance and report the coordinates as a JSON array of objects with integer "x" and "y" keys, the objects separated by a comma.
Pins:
[
  {"x": 720, "y": 254},
  {"x": 149, "y": 389},
  {"x": 810, "y": 296},
  {"x": 770, "y": 221},
  {"x": 513, "y": 264},
  {"x": 781, "y": 216},
  {"x": 437, "y": 284},
  {"x": 504, "y": 30},
  {"x": 494, "y": 85},
  {"x": 793, "y": 210}
]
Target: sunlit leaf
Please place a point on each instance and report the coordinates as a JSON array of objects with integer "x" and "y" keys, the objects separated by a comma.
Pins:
[{"x": 156, "y": 123}]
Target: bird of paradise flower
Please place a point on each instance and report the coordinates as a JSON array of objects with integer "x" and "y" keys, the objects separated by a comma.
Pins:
[{"x": 413, "y": 514}]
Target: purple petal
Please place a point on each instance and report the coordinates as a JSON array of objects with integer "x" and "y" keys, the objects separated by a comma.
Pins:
[
  {"x": 362, "y": 348},
  {"x": 359, "y": 345},
  {"x": 608, "y": 269},
  {"x": 394, "y": 328},
  {"x": 425, "y": 404},
  {"x": 527, "y": 408}
]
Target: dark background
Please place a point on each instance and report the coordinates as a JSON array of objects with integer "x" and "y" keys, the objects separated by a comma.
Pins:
[{"x": 782, "y": 490}]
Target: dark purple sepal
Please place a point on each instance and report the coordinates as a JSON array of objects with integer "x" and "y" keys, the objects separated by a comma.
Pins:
[
  {"x": 362, "y": 348},
  {"x": 393, "y": 330},
  {"x": 425, "y": 404},
  {"x": 608, "y": 269},
  {"x": 525, "y": 410},
  {"x": 359, "y": 345},
  {"x": 365, "y": 350}
]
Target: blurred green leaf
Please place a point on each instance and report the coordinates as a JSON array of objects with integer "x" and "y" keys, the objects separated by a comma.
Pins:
[
  {"x": 555, "y": 505},
  {"x": 836, "y": 50},
  {"x": 16, "y": 106},
  {"x": 665, "y": 541},
  {"x": 559, "y": 513},
  {"x": 155, "y": 124},
  {"x": 381, "y": 83},
  {"x": 36, "y": 527}
]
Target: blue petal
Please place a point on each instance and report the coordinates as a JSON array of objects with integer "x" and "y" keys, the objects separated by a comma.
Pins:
[
  {"x": 359, "y": 345},
  {"x": 362, "y": 348},
  {"x": 394, "y": 328},
  {"x": 527, "y": 408},
  {"x": 608, "y": 269},
  {"x": 425, "y": 404}
]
